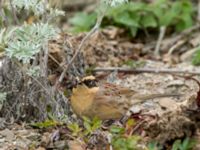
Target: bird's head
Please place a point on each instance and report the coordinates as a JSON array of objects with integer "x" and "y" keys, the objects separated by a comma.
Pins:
[{"x": 89, "y": 81}]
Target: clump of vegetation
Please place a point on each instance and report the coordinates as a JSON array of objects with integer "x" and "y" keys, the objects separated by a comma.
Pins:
[
  {"x": 186, "y": 144},
  {"x": 122, "y": 141},
  {"x": 25, "y": 43},
  {"x": 139, "y": 15},
  {"x": 88, "y": 128}
]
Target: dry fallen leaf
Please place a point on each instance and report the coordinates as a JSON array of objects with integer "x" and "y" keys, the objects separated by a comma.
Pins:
[
  {"x": 167, "y": 103},
  {"x": 8, "y": 134},
  {"x": 76, "y": 145}
]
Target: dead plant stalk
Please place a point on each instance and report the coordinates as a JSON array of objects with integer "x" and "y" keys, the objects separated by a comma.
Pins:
[
  {"x": 80, "y": 48},
  {"x": 146, "y": 70}
]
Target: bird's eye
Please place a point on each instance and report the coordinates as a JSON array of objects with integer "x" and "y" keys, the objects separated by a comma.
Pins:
[{"x": 90, "y": 83}]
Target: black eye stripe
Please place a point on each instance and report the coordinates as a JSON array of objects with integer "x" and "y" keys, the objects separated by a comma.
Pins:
[{"x": 89, "y": 83}]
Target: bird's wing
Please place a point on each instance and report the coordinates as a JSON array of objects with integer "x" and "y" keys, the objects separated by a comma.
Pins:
[
  {"x": 122, "y": 96},
  {"x": 115, "y": 90},
  {"x": 104, "y": 108}
]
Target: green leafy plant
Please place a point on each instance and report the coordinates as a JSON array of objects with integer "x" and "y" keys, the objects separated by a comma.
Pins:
[
  {"x": 140, "y": 15},
  {"x": 122, "y": 141},
  {"x": 75, "y": 128},
  {"x": 91, "y": 125},
  {"x": 5, "y": 36},
  {"x": 34, "y": 71},
  {"x": 83, "y": 22},
  {"x": 88, "y": 128},
  {"x": 186, "y": 144},
  {"x": 25, "y": 41},
  {"x": 46, "y": 124},
  {"x": 38, "y": 7},
  {"x": 154, "y": 146},
  {"x": 28, "y": 40}
]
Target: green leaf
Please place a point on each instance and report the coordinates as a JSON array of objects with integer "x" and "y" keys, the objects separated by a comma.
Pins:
[
  {"x": 96, "y": 123},
  {"x": 157, "y": 8},
  {"x": 186, "y": 144},
  {"x": 91, "y": 125},
  {"x": 88, "y": 127},
  {"x": 148, "y": 21},
  {"x": 130, "y": 122},
  {"x": 83, "y": 21},
  {"x": 74, "y": 127},
  {"x": 119, "y": 9},
  {"x": 154, "y": 146},
  {"x": 86, "y": 119},
  {"x": 127, "y": 19},
  {"x": 136, "y": 6},
  {"x": 187, "y": 7},
  {"x": 167, "y": 18},
  {"x": 184, "y": 22},
  {"x": 117, "y": 130},
  {"x": 176, "y": 145},
  {"x": 123, "y": 143},
  {"x": 46, "y": 124}
]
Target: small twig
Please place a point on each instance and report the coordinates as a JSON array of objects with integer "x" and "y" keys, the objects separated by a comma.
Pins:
[
  {"x": 146, "y": 70},
  {"x": 89, "y": 34},
  {"x": 109, "y": 137},
  {"x": 54, "y": 59},
  {"x": 160, "y": 38},
  {"x": 168, "y": 42},
  {"x": 137, "y": 126},
  {"x": 2, "y": 14},
  {"x": 78, "y": 51},
  {"x": 189, "y": 53},
  {"x": 178, "y": 44},
  {"x": 39, "y": 83},
  {"x": 45, "y": 62},
  {"x": 186, "y": 32},
  {"x": 198, "y": 16},
  {"x": 14, "y": 13}
]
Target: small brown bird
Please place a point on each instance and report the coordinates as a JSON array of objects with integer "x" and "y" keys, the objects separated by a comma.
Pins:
[{"x": 105, "y": 101}]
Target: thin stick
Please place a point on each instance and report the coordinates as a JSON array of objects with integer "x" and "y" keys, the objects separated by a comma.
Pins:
[
  {"x": 161, "y": 36},
  {"x": 137, "y": 127},
  {"x": 189, "y": 53},
  {"x": 146, "y": 70},
  {"x": 2, "y": 14},
  {"x": 45, "y": 59},
  {"x": 175, "y": 46},
  {"x": 39, "y": 83},
  {"x": 169, "y": 42},
  {"x": 14, "y": 13},
  {"x": 89, "y": 34},
  {"x": 198, "y": 16},
  {"x": 78, "y": 50}
]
